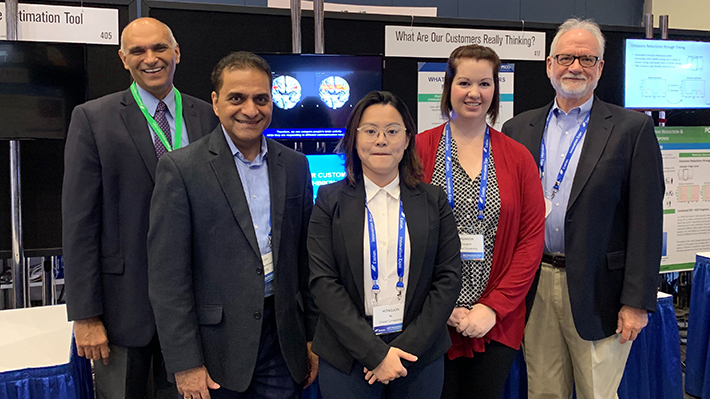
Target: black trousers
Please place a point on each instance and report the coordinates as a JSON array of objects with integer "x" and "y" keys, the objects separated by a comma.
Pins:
[
  {"x": 420, "y": 383},
  {"x": 134, "y": 373},
  {"x": 482, "y": 376}
]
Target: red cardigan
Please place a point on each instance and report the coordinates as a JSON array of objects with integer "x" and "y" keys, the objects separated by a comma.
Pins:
[{"x": 520, "y": 239}]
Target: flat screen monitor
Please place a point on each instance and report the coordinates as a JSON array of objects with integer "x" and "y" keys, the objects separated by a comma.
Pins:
[
  {"x": 667, "y": 74},
  {"x": 314, "y": 94},
  {"x": 325, "y": 169},
  {"x": 40, "y": 84}
]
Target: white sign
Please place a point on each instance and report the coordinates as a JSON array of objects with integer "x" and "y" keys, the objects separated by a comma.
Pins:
[
  {"x": 43, "y": 23},
  {"x": 419, "y": 42},
  {"x": 359, "y": 9},
  {"x": 431, "y": 83}
]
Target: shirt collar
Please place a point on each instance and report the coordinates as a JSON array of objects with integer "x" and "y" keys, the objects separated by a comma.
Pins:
[
  {"x": 371, "y": 189},
  {"x": 581, "y": 110},
  {"x": 151, "y": 103},
  {"x": 238, "y": 154}
]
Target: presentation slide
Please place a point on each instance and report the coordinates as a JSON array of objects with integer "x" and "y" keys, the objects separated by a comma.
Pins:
[
  {"x": 665, "y": 74},
  {"x": 325, "y": 169}
]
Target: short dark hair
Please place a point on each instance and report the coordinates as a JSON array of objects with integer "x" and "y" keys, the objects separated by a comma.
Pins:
[
  {"x": 410, "y": 167},
  {"x": 239, "y": 60},
  {"x": 477, "y": 53}
]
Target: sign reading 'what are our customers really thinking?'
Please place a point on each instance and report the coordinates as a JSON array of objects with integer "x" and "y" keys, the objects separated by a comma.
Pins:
[{"x": 45, "y": 23}]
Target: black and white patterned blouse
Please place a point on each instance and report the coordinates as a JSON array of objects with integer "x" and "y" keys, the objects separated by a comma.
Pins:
[{"x": 475, "y": 273}]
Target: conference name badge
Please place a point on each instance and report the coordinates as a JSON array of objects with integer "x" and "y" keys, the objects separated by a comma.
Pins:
[
  {"x": 268, "y": 262},
  {"x": 472, "y": 247},
  {"x": 387, "y": 319},
  {"x": 548, "y": 207}
]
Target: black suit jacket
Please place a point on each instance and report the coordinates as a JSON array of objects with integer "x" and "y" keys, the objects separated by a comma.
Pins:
[
  {"x": 205, "y": 270},
  {"x": 335, "y": 245},
  {"x": 614, "y": 219},
  {"x": 109, "y": 174}
]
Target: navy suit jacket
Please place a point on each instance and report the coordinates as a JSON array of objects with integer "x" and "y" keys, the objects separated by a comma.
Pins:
[
  {"x": 109, "y": 174},
  {"x": 614, "y": 218}
]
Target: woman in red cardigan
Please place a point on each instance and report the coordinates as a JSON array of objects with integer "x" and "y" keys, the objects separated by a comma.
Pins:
[{"x": 494, "y": 189}]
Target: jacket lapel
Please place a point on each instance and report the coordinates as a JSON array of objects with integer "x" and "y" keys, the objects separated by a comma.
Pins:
[
  {"x": 415, "y": 211},
  {"x": 277, "y": 190},
  {"x": 537, "y": 127},
  {"x": 192, "y": 121},
  {"x": 138, "y": 129},
  {"x": 352, "y": 224},
  {"x": 598, "y": 131},
  {"x": 228, "y": 177}
]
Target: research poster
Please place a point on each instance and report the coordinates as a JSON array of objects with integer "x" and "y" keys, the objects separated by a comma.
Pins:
[
  {"x": 431, "y": 82},
  {"x": 663, "y": 74},
  {"x": 686, "y": 205}
]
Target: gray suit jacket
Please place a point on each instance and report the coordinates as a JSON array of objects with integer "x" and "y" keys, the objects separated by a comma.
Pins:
[
  {"x": 206, "y": 282},
  {"x": 109, "y": 174},
  {"x": 614, "y": 219}
]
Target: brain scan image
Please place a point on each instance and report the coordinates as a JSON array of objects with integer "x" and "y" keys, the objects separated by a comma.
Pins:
[
  {"x": 334, "y": 91},
  {"x": 286, "y": 92}
]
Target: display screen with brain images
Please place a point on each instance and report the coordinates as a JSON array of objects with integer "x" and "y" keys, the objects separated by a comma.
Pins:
[{"x": 314, "y": 94}]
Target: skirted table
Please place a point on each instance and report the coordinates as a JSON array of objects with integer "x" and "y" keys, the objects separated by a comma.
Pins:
[
  {"x": 38, "y": 358},
  {"x": 697, "y": 359}
]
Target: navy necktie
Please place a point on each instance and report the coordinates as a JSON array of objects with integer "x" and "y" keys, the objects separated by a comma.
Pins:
[{"x": 162, "y": 121}]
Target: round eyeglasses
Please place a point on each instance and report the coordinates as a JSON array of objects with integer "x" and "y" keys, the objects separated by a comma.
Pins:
[
  {"x": 586, "y": 61},
  {"x": 392, "y": 133}
]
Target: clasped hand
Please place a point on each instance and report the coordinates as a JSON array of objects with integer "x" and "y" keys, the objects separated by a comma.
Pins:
[
  {"x": 390, "y": 367},
  {"x": 474, "y": 323}
]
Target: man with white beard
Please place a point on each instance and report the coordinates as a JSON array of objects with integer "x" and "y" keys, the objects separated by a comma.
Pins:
[{"x": 602, "y": 176}]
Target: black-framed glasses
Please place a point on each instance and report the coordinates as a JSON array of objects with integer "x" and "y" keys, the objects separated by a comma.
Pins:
[
  {"x": 587, "y": 61},
  {"x": 393, "y": 133}
]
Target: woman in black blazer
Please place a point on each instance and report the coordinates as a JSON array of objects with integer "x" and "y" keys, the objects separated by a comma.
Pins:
[{"x": 382, "y": 244}]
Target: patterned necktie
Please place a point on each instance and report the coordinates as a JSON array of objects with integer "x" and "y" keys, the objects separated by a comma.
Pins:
[{"x": 164, "y": 126}]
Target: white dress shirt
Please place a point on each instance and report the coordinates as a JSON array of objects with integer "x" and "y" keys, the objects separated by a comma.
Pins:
[{"x": 383, "y": 203}]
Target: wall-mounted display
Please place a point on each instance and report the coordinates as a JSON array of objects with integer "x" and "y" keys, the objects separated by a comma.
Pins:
[
  {"x": 314, "y": 94},
  {"x": 667, "y": 74}
]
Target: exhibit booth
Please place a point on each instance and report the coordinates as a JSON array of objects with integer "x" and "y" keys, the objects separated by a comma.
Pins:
[{"x": 43, "y": 79}]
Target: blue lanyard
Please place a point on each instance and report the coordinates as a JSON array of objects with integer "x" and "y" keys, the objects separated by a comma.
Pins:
[
  {"x": 374, "y": 272},
  {"x": 575, "y": 142},
  {"x": 484, "y": 170}
]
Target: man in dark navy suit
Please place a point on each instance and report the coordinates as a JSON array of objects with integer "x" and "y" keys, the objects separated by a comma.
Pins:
[
  {"x": 112, "y": 149},
  {"x": 603, "y": 182}
]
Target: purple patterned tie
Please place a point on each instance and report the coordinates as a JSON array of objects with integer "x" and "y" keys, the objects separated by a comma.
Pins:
[{"x": 164, "y": 126}]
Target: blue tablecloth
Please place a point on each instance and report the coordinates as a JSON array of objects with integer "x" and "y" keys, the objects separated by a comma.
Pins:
[
  {"x": 697, "y": 360},
  {"x": 65, "y": 381},
  {"x": 652, "y": 371}
]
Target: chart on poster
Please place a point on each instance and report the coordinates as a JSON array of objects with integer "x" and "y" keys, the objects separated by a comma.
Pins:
[{"x": 686, "y": 205}]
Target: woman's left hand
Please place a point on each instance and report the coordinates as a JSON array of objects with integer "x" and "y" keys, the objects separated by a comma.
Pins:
[{"x": 477, "y": 322}]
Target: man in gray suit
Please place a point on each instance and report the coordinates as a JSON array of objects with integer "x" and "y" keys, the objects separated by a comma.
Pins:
[
  {"x": 228, "y": 268},
  {"x": 112, "y": 150}
]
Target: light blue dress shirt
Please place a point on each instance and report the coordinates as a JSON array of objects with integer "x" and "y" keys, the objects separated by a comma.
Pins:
[
  {"x": 255, "y": 182},
  {"x": 558, "y": 137},
  {"x": 151, "y": 103}
]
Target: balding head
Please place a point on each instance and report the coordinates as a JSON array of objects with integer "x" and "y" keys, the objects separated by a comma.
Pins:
[
  {"x": 144, "y": 22},
  {"x": 149, "y": 51}
]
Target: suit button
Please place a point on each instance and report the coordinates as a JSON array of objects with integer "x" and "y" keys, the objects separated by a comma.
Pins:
[
  {"x": 258, "y": 271},
  {"x": 257, "y": 315}
]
